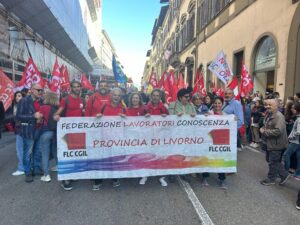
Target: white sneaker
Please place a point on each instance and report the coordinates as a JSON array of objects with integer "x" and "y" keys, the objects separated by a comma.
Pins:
[
  {"x": 239, "y": 149},
  {"x": 256, "y": 145},
  {"x": 18, "y": 173},
  {"x": 46, "y": 178},
  {"x": 163, "y": 182},
  {"x": 143, "y": 180},
  {"x": 252, "y": 143}
]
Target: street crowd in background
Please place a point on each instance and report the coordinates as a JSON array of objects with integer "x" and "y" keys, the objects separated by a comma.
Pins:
[{"x": 263, "y": 121}]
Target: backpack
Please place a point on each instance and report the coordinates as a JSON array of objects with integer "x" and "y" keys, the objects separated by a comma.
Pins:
[
  {"x": 63, "y": 114},
  {"x": 52, "y": 124}
]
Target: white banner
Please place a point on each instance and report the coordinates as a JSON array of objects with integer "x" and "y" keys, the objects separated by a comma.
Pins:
[
  {"x": 115, "y": 147},
  {"x": 220, "y": 68}
]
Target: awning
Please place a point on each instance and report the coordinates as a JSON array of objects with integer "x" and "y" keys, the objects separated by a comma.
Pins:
[{"x": 38, "y": 16}]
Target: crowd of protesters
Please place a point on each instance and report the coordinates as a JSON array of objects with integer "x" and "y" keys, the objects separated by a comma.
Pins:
[{"x": 262, "y": 121}]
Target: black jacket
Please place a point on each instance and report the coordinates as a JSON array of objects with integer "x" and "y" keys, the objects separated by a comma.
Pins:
[{"x": 25, "y": 114}]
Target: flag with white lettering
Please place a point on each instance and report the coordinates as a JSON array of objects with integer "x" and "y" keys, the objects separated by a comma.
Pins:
[
  {"x": 6, "y": 90},
  {"x": 31, "y": 75}
]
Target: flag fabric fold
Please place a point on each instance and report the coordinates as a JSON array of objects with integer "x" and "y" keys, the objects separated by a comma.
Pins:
[
  {"x": 170, "y": 87},
  {"x": 199, "y": 83},
  {"x": 152, "y": 80},
  {"x": 246, "y": 85},
  {"x": 65, "y": 80},
  {"x": 221, "y": 68},
  {"x": 85, "y": 83},
  {"x": 6, "y": 90},
  {"x": 55, "y": 84},
  {"x": 180, "y": 82},
  {"x": 163, "y": 78},
  {"x": 234, "y": 85},
  {"x": 31, "y": 75},
  {"x": 118, "y": 73}
]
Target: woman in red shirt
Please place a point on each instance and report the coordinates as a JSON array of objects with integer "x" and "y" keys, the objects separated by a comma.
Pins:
[
  {"x": 135, "y": 106},
  {"x": 216, "y": 110},
  {"x": 48, "y": 132}
]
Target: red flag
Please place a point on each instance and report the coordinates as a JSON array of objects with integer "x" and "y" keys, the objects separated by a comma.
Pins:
[
  {"x": 65, "y": 81},
  {"x": 31, "y": 75},
  {"x": 170, "y": 87},
  {"x": 246, "y": 83},
  {"x": 213, "y": 87},
  {"x": 152, "y": 80},
  {"x": 56, "y": 78},
  {"x": 220, "y": 92},
  {"x": 234, "y": 85},
  {"x": 199, "y": 83},
  {"x": 162, "y": 80},
  {"x": 85, "y": 83},
  {"x": 6, "y": 90},
  {"x": 180, "y": 82}
]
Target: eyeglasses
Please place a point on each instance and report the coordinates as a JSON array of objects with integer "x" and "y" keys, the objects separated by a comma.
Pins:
[
  {"x": 186, "y": 96},
  {"x": 39, "y": 90}
]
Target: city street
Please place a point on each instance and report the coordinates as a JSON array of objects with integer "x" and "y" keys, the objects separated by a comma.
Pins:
[{"x": 245, "y": 202}]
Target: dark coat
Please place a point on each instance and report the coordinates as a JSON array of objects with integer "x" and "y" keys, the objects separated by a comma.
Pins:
[{"x": 25, "y": 114}]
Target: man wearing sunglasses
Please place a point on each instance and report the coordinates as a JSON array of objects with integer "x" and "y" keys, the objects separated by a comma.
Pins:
[{"x": 29, "y": 116}]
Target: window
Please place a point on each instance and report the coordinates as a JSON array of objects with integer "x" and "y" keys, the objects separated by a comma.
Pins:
[
  {"x": 207, "y": 10},
  {"x": 237, "y": 63}
]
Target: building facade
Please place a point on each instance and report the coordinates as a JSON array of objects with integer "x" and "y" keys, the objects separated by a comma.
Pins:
[
  {"x": 42, "y": 29},
  {"x": 265, "y": 34}
]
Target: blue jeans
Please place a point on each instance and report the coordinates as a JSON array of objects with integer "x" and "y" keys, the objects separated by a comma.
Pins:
[
  {"x": 20, "y": 152},
  {"x": 37, "y": 152},
  {"x": 54, "y": 147},
  {"x": 27, "y": 157},
  {"x": 292, "y": 148},
  {"x": 45, "y": 144}
]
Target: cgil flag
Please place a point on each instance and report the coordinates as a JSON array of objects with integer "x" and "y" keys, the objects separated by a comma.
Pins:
[
  {"x": 6, "y": 90},
  {"x": 246, "y": 85},
  {"x": 152, "y": 80},
  {"x": 65, "y": 81},
  {"x": 163, "y": 78},
  {"x": 199, "y": 83},
  {"x": 85, "y": 83},
  {"x": 170, "y": 87},
  {"x": 118, "y": 72},
  {"x": 56, "y": 78},
  {"x": 31, "y": 75}
]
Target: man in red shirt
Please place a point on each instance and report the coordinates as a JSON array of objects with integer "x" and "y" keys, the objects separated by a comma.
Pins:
[
  {"x": 155, "y": 106},
  {"x": 113, "y": 108},
  {"x": 70, "y": 106},
  {"x": 97, "y": 100}
]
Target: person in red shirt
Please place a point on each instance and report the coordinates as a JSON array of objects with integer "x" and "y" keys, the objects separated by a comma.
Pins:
[
  {"x": 113, "y": 108},
  {"x": 136, "y": 107},
  {"x": 70, "y": 106},
  {"x": 47, "y": 134},
  {"x": 156, "y": 107},
  {"x": 97, "y": 100}
]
